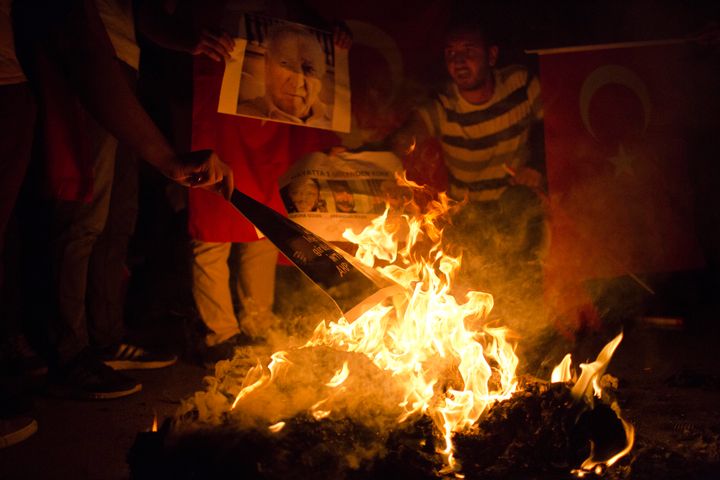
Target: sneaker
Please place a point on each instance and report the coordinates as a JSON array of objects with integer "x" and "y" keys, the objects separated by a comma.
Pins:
[
  {"x": 16, "y": 429},
  {"x": 131, "y": 357},
  {"x": 88, "y": 378},
  {"x": 20, "y": 358},
  {"x": 225, "y": 350}
]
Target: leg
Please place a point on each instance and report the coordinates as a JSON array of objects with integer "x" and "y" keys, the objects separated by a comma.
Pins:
[
  {"x": 76, "y": 227},
  {"x": 256, "y": 286},
  {"x": 107, "y": 272},
  {"x": 17, "y": 125},
  {"x": 211, "y": 290}
]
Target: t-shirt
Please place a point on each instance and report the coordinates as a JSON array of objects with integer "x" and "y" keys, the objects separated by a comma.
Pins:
[
  {"x": 10, "y": 71},
  {"x": 480, "y": 141},
  {"x": 117, "y": 16}
]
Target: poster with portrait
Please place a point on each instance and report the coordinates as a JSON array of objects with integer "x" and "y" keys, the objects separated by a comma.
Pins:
[
  {"x": 287, "y": 72},
  {"x": 329, "y": 194}
]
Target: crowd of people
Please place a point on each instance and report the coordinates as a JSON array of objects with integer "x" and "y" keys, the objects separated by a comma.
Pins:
[{"x": 67, "y": 75}]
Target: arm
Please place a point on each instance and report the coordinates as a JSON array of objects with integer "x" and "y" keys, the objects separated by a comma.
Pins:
[
  {"x": 532, "y": 174},
  {"x": 162, "y": 26},
  {"x": 85, "y": 54}
]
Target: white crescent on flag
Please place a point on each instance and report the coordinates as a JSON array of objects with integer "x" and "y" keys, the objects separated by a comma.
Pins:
[{"x": 608, "y": 74}]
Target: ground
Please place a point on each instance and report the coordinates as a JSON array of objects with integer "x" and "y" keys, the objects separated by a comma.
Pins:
[{"x": 669, "y": 386}]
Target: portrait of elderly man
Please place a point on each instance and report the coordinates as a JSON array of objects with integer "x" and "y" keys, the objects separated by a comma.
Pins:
[{"x": 294, "y": 69}]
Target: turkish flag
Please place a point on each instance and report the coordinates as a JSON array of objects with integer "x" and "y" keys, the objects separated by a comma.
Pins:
[{"x": 620, "y": 197}]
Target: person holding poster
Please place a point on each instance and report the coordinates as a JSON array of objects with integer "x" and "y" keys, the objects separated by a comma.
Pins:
[{"x": 259, "y": 151}]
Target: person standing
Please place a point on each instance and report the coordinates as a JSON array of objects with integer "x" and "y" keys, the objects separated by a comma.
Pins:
[
  {"x": 72, "y": 62},
  {"x": 260, "y": 151},
  {"x": 17, "y": 126}
]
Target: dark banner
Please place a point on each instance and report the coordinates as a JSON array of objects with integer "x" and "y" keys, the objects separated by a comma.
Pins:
[{"x": 329, "y": 267}]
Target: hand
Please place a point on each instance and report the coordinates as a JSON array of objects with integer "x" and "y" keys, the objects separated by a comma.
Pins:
[
  {"x": 709, "y": 36},
  {"x": 217, "y": 47},
  {"x": 342, "y": 36},
  {"x": 203, "y": 169},
  {"x": 337, "y": 150},
  {"x": 528, "y": 177}
]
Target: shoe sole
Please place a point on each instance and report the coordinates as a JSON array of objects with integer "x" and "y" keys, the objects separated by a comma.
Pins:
[
  {"x": 18, "y": 436},
  {"x": 67, "y": 392},
  {"x": 135, "y": 365}
]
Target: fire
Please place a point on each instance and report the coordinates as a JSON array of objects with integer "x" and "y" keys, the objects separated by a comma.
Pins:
[
  {"x": 451, "y": 366},
  {"x": 276, "y": 427},
  {"x": 586, "y": 389},
  {"x": 561, "y": 373},
  {"x": 448, "y": 362}
]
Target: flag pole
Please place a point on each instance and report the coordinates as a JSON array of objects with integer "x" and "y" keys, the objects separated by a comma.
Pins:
[{"x": 609, "y": 46}]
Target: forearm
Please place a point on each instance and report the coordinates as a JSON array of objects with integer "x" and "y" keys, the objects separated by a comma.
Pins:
[
  {"x": 165, "y": 28},
  {"x": 88, "y": 59}
]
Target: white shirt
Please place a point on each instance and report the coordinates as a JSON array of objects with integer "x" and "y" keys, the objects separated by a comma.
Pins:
[
  {"x": 117, "y": 16},
  {"x": 10, "y": 71}
]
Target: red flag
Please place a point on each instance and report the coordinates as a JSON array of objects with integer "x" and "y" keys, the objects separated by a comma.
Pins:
[{"x": 617, "y": 170}]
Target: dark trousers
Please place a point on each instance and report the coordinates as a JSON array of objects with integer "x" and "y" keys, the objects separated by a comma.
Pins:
[
  {"x": 17, "y": 125},
  {"x": 503, "y": 244},
  {"x": 89, "y": 248}
]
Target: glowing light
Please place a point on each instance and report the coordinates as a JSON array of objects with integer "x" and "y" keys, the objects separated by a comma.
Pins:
[
  {"x": 276, "y": 427},
  {"x": 561, "y": 373},
  {"x": 339, "y": 377}
]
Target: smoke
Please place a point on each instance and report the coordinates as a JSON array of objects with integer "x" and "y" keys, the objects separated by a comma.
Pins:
[
  {"x": 503, "y": 246},
  {"x": 353, "y": 419}
]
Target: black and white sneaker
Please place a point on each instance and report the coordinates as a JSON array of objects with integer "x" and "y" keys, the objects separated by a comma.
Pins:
[
  {"x": 86, "y": 377},
  {"x": 16, "y": 429},
  {"x": 131, "y": 357}
]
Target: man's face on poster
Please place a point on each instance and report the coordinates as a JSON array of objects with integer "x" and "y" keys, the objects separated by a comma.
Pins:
[
  {"x": 468, "y": 59},
  {"x": 294, "y": 69},
  {"x": 343, "y": 197},
  {"x": 304, "y": 195}
]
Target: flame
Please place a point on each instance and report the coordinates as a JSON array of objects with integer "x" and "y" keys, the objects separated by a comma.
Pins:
[
  {"x": 592, "y": 463},
  {"x": 339, "y": 377},
  {"x": 154, "y": 427},
  {"x": 256, "y": 376},
  {"x": 427, "y": 335},
  {"x": 449, "y": 364},
  {"x": 276, "y": 427},
  {"x": 591, "y": 372},
  {"x": 586, "y": 389},
  {"x": 561, "y": 373}
]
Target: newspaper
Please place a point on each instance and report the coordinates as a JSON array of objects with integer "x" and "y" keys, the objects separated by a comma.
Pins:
[{"x": 329, "y": 194}]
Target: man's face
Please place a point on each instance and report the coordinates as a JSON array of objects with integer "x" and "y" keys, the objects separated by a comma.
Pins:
[
  {"x": 468, "y": 59},
  {"x": 344, "y": 201},
  {"x": 294, "y": 70},
  {"x": 304, "y": 195}
]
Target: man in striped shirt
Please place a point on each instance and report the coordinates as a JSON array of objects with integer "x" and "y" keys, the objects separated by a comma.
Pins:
[
  {"x": 483, "y": 119},
  {"x": 486, "y": 121}
]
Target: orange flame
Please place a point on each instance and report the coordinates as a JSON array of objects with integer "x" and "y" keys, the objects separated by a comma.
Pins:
[
  {"x": 586, "y": 389},
  {"x": 427, "y": 330},
  {"x": 561, "y": 373},
  {"x": 450, "y": 365}
]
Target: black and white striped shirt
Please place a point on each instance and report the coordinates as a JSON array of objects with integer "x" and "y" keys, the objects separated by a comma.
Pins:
[{"x": 478, "y": 140}]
